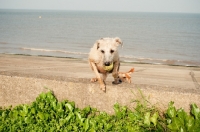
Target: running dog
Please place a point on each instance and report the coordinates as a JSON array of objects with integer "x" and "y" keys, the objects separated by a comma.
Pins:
[
  {"x": 104, "y": 59},
  {"x": 126, "y": 76}
]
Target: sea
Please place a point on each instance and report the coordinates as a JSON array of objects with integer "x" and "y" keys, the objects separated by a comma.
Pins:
[{"x": 153, "y": 38}]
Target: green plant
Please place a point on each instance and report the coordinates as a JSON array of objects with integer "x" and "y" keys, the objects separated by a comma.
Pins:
[
  {"x": 48, "y": 114},
  {"x": 179, "y": 120}
]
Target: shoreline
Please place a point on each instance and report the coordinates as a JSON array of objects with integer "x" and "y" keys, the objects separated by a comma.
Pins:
[
  {"x": 22, "y": 78},
  {"x": 122, "y": 61}
]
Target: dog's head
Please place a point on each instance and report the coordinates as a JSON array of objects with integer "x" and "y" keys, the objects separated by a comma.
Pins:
[
  {"x": 107, "y": 48},
  {"x": 126, "y": 76}
]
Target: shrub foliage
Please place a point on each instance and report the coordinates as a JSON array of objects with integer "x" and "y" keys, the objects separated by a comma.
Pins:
[{"x": 46, "y": 113}]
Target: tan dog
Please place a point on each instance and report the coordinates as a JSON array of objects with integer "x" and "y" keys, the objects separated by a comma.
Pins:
[
  {"x": 104, "y": 59},
  {"x": 126, "y": 76}
]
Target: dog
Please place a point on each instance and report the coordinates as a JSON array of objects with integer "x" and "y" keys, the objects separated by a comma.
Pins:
[
  {"x": 126, "y": 76},
  {"x": 104, "y": 59}
]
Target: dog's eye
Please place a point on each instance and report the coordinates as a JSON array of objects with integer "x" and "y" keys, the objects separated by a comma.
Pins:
[
  {"x": 124, "y": 77},
  {"x": 111, "y": 51},
  {"x": 102, "y": 51}
]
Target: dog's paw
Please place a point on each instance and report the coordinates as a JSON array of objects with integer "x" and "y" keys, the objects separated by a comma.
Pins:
[
  {"x": 93, "y": 80},
  {"x": 103, "y": 88}
]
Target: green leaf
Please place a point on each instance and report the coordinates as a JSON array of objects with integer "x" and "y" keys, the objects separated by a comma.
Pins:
[
  {"x": 15, "y": 113},
  {"x": 69, "y": 117},
  {"x": 86, "y": 124},
  {"x": 119, "y": 115},
  {"x": 43, "y": 95},
  {"x": 22, "y": 113},
  {"x": 46, "y": 115},
  {"x": 147, "y": 118},
  {"x": 78, "y": 115},
  {"x": 27, "y": 120},
  {"x": 182, "y": 129},
  {"x": 132, "y": 116},
  {"x": 189, "y": 123},
  {"x": 116, "y": 108},
  {"x": 25, "y": 109},
  {"x": 181, "y": 115},
  {"x": 41, "y": 105},
  {"x": 69, "y": 106},
  {"x": 175, "y": 125},
  {"x": 108, "y": 126},
  {"x": 86, "y": 110},
  {"x": 50, "y": 96},
  {"x": 171, "y": 111},
  {"x": 92, "y": 130},
  {"x": 169, "y": 121},
  {"x": 59, "y": 106},
  {"x": 54, "y": 105},
  {"x": 33, "y": 110},
  {"x": 154, "y": 118},
  {"x": 41, "y": 116},
  {"x": 195, "y": 111}
]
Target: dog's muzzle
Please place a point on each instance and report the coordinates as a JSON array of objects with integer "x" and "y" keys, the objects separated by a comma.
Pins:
[{"x": 107, "y": 63}]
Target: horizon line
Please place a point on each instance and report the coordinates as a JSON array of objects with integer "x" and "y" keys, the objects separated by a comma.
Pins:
[{"x": 99, "y": 10}]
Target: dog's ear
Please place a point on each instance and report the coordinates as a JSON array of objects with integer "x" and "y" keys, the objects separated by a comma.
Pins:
[
  {"x": 131, "y": 71},
  {"x": 98, "y": 44},
  {"x": 118, "y": 42}
]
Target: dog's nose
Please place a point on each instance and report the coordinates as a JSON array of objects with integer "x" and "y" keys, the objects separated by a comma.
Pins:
[{"x": 107, "y": 63}]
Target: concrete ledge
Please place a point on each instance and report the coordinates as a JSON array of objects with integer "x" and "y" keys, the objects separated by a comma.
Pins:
[{"x": 26, "y": 89}]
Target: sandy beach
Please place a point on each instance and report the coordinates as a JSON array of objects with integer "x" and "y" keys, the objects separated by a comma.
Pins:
[{"x": 22, "y": 78}]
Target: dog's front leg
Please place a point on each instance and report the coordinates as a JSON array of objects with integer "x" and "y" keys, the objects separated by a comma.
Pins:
[
  {"x": 115, "y": 73},
  {"x": 101, "y": 82}
]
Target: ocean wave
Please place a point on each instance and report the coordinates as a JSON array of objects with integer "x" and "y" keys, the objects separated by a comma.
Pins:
[
  {"x": 49, "y": 50},
  {"x": 133, "y": 59},
  {"x": 142, "y": 58}
]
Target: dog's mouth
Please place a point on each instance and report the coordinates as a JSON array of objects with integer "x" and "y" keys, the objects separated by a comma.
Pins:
[{"x": 109, "y": 67}]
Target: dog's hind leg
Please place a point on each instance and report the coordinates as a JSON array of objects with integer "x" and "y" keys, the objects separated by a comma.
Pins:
[{"x": 101, "y": 82}]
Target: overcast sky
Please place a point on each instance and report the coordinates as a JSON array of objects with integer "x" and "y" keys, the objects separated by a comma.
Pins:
[{"x": 184, "y": 6}]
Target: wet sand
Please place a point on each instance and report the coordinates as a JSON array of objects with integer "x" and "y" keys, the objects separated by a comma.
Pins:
[{"x": 22, "y": 78}]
